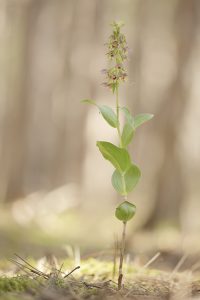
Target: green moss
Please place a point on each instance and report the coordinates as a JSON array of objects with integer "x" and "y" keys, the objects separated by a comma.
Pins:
[
  {"x": 9, "y": 297},
  {"x": 17, "y": 284}
]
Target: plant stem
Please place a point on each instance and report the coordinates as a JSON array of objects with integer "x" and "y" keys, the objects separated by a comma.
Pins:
[
  {"x": 117, "y": 112},
  {"x": 123, "y": 240},
  {"x": 122, "y": 250}
]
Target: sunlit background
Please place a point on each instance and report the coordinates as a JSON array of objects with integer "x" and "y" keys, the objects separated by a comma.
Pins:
[{"x": 55, "y": 188}]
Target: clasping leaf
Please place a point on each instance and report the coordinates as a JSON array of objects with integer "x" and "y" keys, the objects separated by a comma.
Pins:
[
  {"x": 131, "y": 124},
  {"x": 118, "y": 157},
  {"x": 127, "y": 134},
  {"x": 128, "y": 129},
  {"x": 124, "y": 183}
]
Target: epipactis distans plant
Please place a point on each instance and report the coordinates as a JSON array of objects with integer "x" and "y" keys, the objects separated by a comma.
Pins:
[{"x": 126, "y": 173}]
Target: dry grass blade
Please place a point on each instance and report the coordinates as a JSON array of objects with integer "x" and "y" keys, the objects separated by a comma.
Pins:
[
  {"x": 179, "y": 264},
  {"x": 151, "y": 260},
  {"x": 21, "y": 266},
  {"x": 28, "y": 266},
  {"x": 59, "y": 272}
]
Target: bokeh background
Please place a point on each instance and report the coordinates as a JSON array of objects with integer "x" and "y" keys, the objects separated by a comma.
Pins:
[{"x": 55, "y": 189}]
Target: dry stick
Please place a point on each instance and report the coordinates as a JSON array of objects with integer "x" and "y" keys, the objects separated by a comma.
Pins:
[
  {"x": 122, "y": 256},
  {"x": 72, "y": 271},
  {"x": 91, "y": 285}
]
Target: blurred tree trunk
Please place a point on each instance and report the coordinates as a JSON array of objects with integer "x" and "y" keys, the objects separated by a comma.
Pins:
[
  {"x": 170, "y": 191},
  {"x": 47, "y": 53},
  {"x": 14, "y": 110}
]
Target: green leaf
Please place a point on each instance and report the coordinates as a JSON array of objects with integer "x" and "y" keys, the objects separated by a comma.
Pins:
[
  {"x": 89, "y": 101},
  {"x": 137, "y": 120},
  {"x": 107, "y": 112},
  {"x": 118, "y": 157},
  {"x": 118, "y": 183},
  {"x": 127, "y": 134},
  {"x": 109, "y": 115},
  {"x": 141, "y": 118},
  {"x": 128, "y": 130},
  {"x": 125, "y": 211},
  {"x": 129, "y": 117},
  {"x": 124, "y": 183}
]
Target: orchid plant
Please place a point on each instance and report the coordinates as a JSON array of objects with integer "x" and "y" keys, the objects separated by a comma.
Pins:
[{"x": 126, "y": 173}]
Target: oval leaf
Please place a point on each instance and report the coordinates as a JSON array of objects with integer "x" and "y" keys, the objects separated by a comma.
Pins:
[
  {"x": 109, "y": 115},
  {"x": 132, "y": 177},
  {"x": 118, "y": 157},
  {"x": 125, "y": 211},
  {"x": 141, "y": 118},
  {"x": 118, "y": 183},
  {"x": 127, "y": 134},
  {"x": 128, "y": 116},
  {"x": 124, "y": 183}
]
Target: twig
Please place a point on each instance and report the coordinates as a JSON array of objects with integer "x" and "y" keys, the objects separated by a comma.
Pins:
[
  {"x": 90, "y": 286},
  {"x": 72, "y": 271}
]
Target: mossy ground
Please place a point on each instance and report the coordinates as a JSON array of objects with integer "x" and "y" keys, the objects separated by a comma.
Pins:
[{"x": 94, "y": 280}]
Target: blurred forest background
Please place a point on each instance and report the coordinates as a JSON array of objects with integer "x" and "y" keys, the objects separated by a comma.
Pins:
[{"x": 54, "y": 185}]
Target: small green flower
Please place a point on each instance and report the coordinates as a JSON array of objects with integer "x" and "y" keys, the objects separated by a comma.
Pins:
[{"x": 117, "y": 53}]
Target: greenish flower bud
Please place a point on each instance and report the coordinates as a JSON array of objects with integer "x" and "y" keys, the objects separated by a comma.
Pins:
[{"x": 125, "y": 211}]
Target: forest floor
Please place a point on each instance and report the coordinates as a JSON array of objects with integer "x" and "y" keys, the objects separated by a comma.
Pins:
[
  {"x": 172, "y": 275},
  {"x": 95, "y": 279}
]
